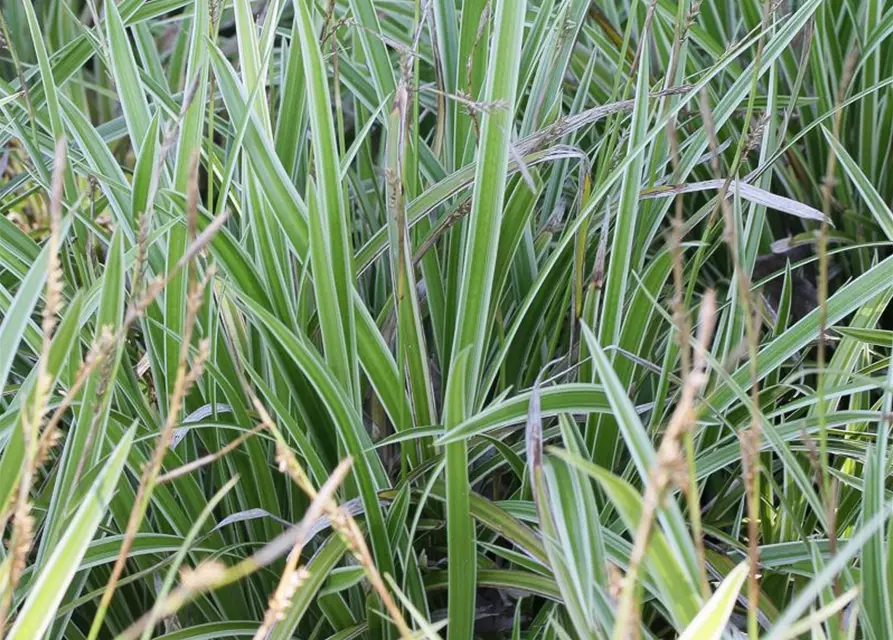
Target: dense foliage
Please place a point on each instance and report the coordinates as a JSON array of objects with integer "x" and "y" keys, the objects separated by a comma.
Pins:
[{"x": 491, "y": 318}]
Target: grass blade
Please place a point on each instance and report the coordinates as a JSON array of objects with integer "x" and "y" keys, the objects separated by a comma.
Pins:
[{"x": 711, "y": 621}]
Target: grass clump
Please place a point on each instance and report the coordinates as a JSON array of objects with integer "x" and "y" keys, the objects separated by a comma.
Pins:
[{"x": 478, "y": 319}]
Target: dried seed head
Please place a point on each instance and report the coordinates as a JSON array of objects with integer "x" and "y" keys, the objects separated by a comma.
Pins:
[
  {"x": 153, "y": 289},
  {"x": 142, "y": 250},
  {"x": 484, "y": 106},
  {"x": 42, "y": 388},
  {"x": 48, "y": 442},
  {"x": 756, "y": 134},
  {"x": 22, "y": 536},
  {"x": 281, "y": 599},
  {"x": 288, "y": 464},
  {"x": 615, "y": 582},
  {"x": 691, "y": 17},
  {"x": 213, "y": 11},
  {"x": 204, "y": 575},
  {"x": 281, "y": 459},
  {"x": 54, "y": 268},
  {"x": 198, "y": 364},
  {"x": 53, "y": 295}
]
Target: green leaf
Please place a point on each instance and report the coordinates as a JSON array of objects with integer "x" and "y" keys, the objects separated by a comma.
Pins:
[
  {"x": 331, "y": 255},
  {"x": 806, "y": 595},
  {"x": 475, "y": 288},
  {"x": 367, "y": 466},
  {"x": 144, "y": 171},
  {"x": 712, "y": 619},
  {"x": 373, "y": 47},
  {"x": 571, "y": 397},
  {"x": 102, "y": 163},
  {"x": 845, "y": 300},
  {"x": 127, "y": 81},
  {"x": 875, "y": 337},
  {"x": 552, "y": 491},
  {"x": 876, "y": 205},
  {"x": 46, "y": 75},
  {"x": 15, "y": 323},
  {"x": 679, "y": 593},
  {"x": 64, "y": 341},
  {"x": 213, "y": 630},
  {"x": 287, "y": 205},
  {"x": 460, "y": 526},
  {"x": 642, "y": 453},
  {"x": 180, "y": 556},
  {"x": 482, "y": 237},
  {"x": 623, "y": 255},
  {"x": 502, "y": 579}
]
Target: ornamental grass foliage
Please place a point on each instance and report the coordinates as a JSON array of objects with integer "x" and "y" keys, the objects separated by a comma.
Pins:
[{"x": 523, "y": 319}]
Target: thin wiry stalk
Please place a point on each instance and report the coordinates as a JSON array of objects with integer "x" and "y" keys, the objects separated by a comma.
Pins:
[
  {"x": 102, "y": 348},
  {"x": 187, "y": 376},
  {"x": 292, "y": 576},
  {"x": 750, "y": 439},
  {"x": 670, "y": 468},
  {"x": 204, "y": 461},
  {"x": 33, "y": 412},
  {"x": 680, "y": 320},
  {"x": 828, "y": 185},
  {"x": 469, "y": 66}
]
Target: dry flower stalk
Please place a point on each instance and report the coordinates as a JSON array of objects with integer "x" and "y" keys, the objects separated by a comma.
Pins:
[
  {"x": 680, "y": 320},
  {"x": 322, "y": 501},
  {"x": 669, "y": 460},
  {"x": 750, "y": 440},
  {"x": 469, "y": 68},
  {"x": 829, "y": 492},
  {"x": 204, "y": 461},
  {"x": 34, "y": 411}
]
